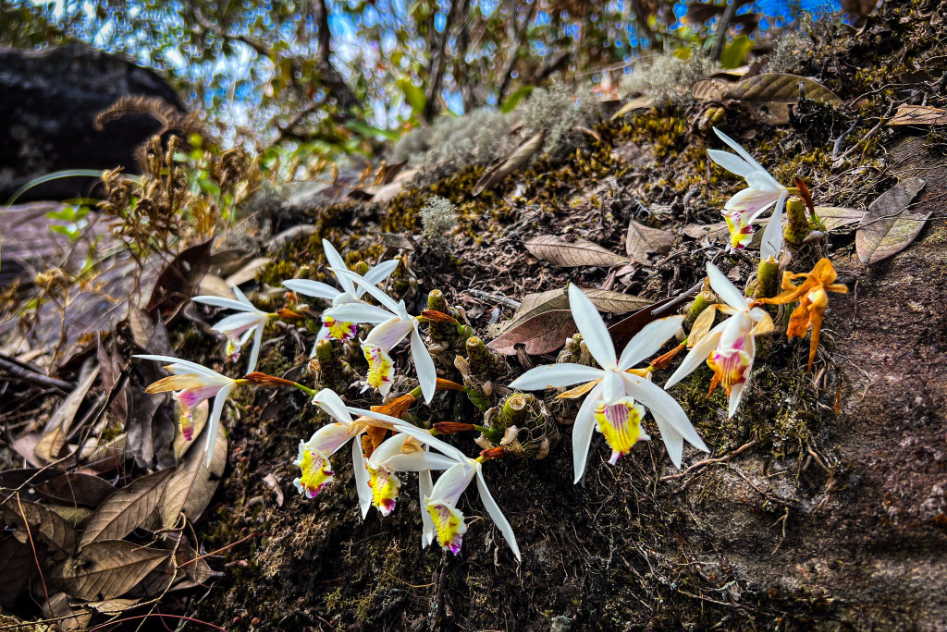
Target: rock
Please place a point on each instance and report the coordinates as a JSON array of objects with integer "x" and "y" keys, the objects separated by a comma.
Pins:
[{"x": 48, "y": 102}]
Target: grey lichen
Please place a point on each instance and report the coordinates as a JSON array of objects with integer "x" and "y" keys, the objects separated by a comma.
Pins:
[
  {"x": 665, "y": 77},
  {"x": 439, "y": 219}
]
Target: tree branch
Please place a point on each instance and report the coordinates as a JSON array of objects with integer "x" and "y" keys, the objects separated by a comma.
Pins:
[
  {"x": 438, "y": 64},
  {"x": 515, "y": 49}
]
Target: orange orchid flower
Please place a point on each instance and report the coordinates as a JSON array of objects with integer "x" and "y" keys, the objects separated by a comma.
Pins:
[{"x": 813, "y": 292}]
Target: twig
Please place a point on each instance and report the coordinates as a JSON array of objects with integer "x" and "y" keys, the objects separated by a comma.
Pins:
[
  {"x": 706, "y": 462},
  {"x": 496, "y": 298},
  {"x": 27, "y": 374}
]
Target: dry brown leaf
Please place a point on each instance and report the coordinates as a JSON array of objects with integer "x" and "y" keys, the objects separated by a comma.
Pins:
[
  {"x": 126, "y": 509},
  {"x": 641, "y": 241},
  {"x": 50, "y": 446},
  {"x": 890, "y": 225},
  {"x": 105, "y": 570},
  {"x": 44, "y": 525},
  {"x": 16, "y": 568},
  {"x": 710, "y": 89},
  {"x": 192, "y": 485},
  {"x": 76, "y": 488},
  {"x": 76, "y": 517},
  {"x": 248, "y": 272},
  {"x": 638, "y": 103},
  {"x": 67, "y": 619},
  {"x": 774, "y": 87},
  {"x": 543, "y": 333},
  {"x": 835, "y": 217},
  {"x": 572, "y": 254},
  {"x": 918, "y": 115},
  {"x": 605, "y": 300},
  {"x": 517, "y": 159}
]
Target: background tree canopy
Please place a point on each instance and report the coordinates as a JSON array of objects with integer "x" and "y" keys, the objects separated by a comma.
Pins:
[{"x": 335, "y": 77}]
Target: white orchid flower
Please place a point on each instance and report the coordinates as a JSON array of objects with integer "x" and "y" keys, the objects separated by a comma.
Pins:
[
  {"x": 399, "y": 453},
  {"x": 744, "y": 208},
  {"x": 375, "y": 480},
  {"x": 442, "y": 519},
  {"x": 192, "y": 384},
  {"x": 611, "y": 404},
  {"x": 730, "y": 347},
  {"x": 392, "y": 325},
  {"x": 239, "y": 327},
  {"x": 350, "y": 293}
]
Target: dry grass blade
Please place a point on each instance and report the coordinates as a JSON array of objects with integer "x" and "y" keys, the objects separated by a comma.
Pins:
[
  {"x": 641, "y": 241},
  {"x": 44, "y": 525},
  {"x": 517, "y": 159},
  {"x": 890, "y": 225},
  {"x": 125, "y": 510},
  {"x": 107, "y": 569},
  {"x": 192, "y": 485},
  {"x": 570, "y": 255}
]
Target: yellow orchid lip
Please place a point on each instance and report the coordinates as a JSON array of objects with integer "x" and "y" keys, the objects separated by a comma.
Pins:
[
  {"x": 385, "y": 487},
  {"x": 316, "y": 472},
  {"x": 381, "y": 368},
  {"x": 620, "y": 423},
  {"x": 449, "y": 525}
]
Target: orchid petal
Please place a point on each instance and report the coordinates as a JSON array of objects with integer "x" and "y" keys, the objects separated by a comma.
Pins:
[
  {"x": 241, "y": 296},
  {"x": 228, "y": 303},
  {"x": 736, "y": 394},
  {"x": 452, "y": 483},
  {"x": 255, "y": 352},
  {"x": 388, "y": 448},
  {"x": 423, "y": 436},
  {"x": 330, "y": 402},
  {"x": 773, "y": 234},
  {"x": 725, "y": 289},
  {"x": 370, "y": 288},
  {"x": 648, "y": 341},
  {"x": 237, "y": 323},
  {"x": 498, "y": 518},
  {"x": 311, "y": 288},
  {"x": 556, "y": 375},
  {"x": 657, "y": 399},
  {"x": 419, "y": 462},
  {"x": 735, "y": 146},
  {"x": 361, "y": 478},
  {"x": 331, "y": 437},
  {"x": 731, "y": 162},
  {"x": 387, "y": 334},
  {"x": 424, "y": 364},
  {"x": 673, "y": 440},
  {"x": 613, "y": 388},
  {"x": 582, "y": 432},
  {"x": 592, "y": 328},
  {"x": 359, "y": 313},
  {"x": 425, "y": 486},
  {"x": 335, "y": 261},
  {"x": 379, "y": 273},
  {"x": 178, "y": 366},
  {"x": 697, "y": 355},
  {"x": 751, "y": 203},
  {"x": 213, "y": 422}
]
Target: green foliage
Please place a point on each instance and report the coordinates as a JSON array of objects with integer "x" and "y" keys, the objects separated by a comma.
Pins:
[{"x": 736, "y": 51}]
